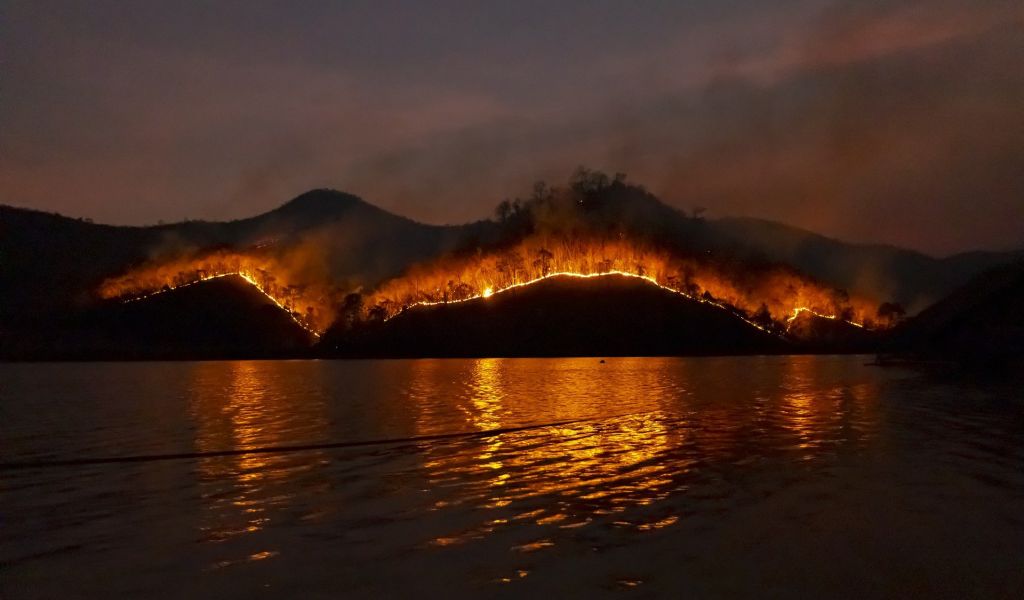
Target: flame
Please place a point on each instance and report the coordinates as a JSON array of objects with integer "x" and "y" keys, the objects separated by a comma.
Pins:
[
  {"x": 804, "y": 309},
  {"x": 744, "y": 291},
  {"x": 310, "y": 305},
  {"x": 767, "y": 297},
  {"x": 489, "y": 292}
]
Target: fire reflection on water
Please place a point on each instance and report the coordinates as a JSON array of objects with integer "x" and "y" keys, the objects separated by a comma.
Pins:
[
  {"x": 588, "y": 468},
  {"x": 818, "y": 417},
  {"x": 743, "y": 472},
  {"x": 671, "y": 437},
  {"x": 631, "y": 446},
  {"x": 247, "y": 410}
]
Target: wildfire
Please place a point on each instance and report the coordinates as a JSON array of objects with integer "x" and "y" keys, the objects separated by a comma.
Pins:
[
  {"x": 489, "y": 292},
  {"x": 310, "y": 306},
  {"x": 763, "y": 297},
  {"x": 769, "y": 298},
  {"x": 248, "y": 278},
  {"x": 803, "y": 309}
]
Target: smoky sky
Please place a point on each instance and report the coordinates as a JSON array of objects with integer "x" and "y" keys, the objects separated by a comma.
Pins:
[{"x": 890, "y": 121}]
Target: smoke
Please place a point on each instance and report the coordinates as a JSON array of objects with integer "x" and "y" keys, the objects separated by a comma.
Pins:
[{"x": 892, "y": 121}]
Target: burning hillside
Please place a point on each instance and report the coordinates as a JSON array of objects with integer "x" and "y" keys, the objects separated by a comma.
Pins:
[
  {"x": 561, "y": 315},
  {"x": 310, "y": 304},
  {"x": 766, "y": 297},
  {"x": 769, "y": 297},
  {"x": 602, "y": 226},
  {"x": 594, "y": 227}
]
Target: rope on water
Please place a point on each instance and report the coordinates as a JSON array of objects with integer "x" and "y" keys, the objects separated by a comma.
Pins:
[{"x": 46, "y": 464}]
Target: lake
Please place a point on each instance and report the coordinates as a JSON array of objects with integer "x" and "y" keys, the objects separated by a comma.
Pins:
[{"x": 794, "y": 476}]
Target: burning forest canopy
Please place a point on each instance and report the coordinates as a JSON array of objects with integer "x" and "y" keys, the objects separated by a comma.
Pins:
[{"x": 594, "y": 225}]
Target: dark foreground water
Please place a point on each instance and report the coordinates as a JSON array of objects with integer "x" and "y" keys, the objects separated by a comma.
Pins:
[{"x": 802, "y": 477}]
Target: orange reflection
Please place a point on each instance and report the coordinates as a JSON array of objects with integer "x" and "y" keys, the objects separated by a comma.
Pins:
[
  {"x": 591, "y": 467},
  {"x": 821, "y": 416},
  {"x": 486, "y": 402},
  {"x": 246, "y": 404},
  {"x": 641, "y": 431}
]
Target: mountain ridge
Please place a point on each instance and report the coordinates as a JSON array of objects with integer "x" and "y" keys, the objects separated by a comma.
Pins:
[
  {"x": 612, "y": 315},
  {"x": 368, "y": 244}
]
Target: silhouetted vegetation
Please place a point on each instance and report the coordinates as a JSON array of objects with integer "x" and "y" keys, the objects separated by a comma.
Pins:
[
  {"x": 980, "y": 325},
  {"x": 51, "y": 266},
  {"x": 220, "y": 318},
  {"x": 608, "y": 316}
]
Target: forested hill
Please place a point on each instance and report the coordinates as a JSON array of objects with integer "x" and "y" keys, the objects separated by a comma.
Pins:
[
  {"x": 52, "y": 263},
  {"x": 49, "y": 262}
]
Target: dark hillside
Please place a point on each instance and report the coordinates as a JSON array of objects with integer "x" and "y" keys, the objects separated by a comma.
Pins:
[
  {"x": 981, "y": 323},
  {"x": 913, "y": 279},
  {"x": 51, "y": 264},
  {"x": 606, "y": 316},
  {"x": 220, "y": 318}
]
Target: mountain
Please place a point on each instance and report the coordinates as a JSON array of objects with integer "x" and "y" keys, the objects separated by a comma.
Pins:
[
  {"x": 981, "y": 323},
  {"x": 911, "y": 278},
  {"x": 50, "y": 263},
  {"x": 561, "y": 316},
  {"x": 52, "y": 267}
]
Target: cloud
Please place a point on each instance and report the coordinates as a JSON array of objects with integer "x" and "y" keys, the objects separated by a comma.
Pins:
[
  {"x": 911, "y": 139},
  {"x": 880, "y": 120}
]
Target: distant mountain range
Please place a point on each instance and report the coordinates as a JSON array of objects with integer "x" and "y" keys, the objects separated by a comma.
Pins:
[
  {"x": 49, "y": 260},
  {"x": 50, "y": 265},
  {"x": 53, "y": 263}
]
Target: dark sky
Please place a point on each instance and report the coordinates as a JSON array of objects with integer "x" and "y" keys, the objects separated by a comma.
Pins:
[{"x": 896, "y": 121}]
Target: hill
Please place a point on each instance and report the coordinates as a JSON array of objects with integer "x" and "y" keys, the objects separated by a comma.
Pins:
[
  {"x": 220, "y": 318},
  {"x": 981, "y": 323},
  {"x": 560, "y": 316},
  {"x": 51, "y": 264},
  {"x": 317, "y": 248},
  {"x": 910, "y": 278}
]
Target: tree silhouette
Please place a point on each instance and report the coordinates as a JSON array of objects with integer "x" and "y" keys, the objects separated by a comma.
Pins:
[
  {"x": 763, "y": 317},
  {"x": 511, "y": 265},
  {"x": 503, "y": 211},
  {"x": 543, "y": 261}
]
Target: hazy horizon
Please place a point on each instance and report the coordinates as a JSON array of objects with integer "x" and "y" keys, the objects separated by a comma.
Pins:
[
  {"x": 490, "y": 215},
  {"x": 889, "y": 121}
]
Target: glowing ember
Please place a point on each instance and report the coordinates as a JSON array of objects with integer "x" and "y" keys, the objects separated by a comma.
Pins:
[
  {"x": 767, "y": 297},
  {"x": 310, "y": 306},
  {"x": 803, "y": 309},
  {"x": 489, "y": 292},
  {"x": 764, "y": 297}
]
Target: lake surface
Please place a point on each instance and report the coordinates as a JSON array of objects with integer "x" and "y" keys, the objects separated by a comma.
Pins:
[{"x": 699, "y": 477}]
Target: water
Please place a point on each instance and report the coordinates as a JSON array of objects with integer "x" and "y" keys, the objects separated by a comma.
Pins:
[{"x": 708, "y": 477}]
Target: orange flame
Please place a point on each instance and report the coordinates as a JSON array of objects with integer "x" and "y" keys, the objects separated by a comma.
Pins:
[
  {"x": 749, "y": 292},
  {"x": 311, "y": 305},
  {"x": 780, "y": 290}
]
